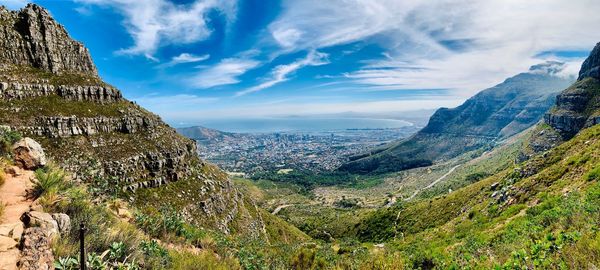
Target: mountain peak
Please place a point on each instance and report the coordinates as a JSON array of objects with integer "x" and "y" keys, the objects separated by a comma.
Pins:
[
  {"x": 31, "y": 37},
  {"x": 591, "y": 65}
]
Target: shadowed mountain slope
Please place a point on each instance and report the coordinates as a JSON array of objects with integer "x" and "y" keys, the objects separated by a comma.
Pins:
[{"x": 495, "y": 113}]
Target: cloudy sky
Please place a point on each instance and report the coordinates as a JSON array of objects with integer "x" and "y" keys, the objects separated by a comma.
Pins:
[{"x": 196, "y": 59}]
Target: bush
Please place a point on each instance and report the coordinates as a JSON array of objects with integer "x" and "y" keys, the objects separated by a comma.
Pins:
[
  {"x": 48, "y": 180},
  {"x": 158, "y": 256},
  {"x": 7, "y": 139},
  {"x": 306, "y": 259},
  {"x": 204, "y": 260}
]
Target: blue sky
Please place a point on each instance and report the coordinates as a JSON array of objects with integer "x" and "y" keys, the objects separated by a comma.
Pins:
[{"x": 197, "y": 59}]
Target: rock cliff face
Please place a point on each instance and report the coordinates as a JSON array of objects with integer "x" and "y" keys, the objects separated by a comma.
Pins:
[
  {"x": 591, "y": 65},
  {"x": 578, "y": 106},
  {"x": 495, "y": 113},
  {"x": 15, "y": 90},
  {"x": 31, "y": 37},
  {"x": 51, "y": 92}
]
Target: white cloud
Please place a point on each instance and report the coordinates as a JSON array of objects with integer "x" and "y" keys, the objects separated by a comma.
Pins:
[
  {"x": 184, "y": 58},
  {"x": 225, "y": 72},
  {"x": 189, "y": 58},
  {"x": 14, "y": 4},
  {"x": 466, "y": 45},
  {"x": 280, "y": 73},
  {"x": 155, "y": 23}
]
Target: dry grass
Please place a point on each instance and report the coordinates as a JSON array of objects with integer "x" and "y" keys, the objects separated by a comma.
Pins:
[{"x": 2, "y": 180}]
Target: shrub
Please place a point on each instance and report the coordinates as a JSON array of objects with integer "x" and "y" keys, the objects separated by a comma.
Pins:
[
  {"x": 66, "y": 263},
  {"x": 49, "y": 179},
  {"x": 307, "y": 259},
  {"x": 204, "y": 260},
  {"x": 158, "y": 256},
  {"x": 166, "y": 221},
  {"x": 7, "y": 139}
]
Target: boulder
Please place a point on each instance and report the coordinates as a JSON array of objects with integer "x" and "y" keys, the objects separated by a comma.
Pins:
[
  {"x": 63, "y": 221},
  {"x": 29, "y": 154},
  {"x": 7, "y": 243},
  {"x": 41, "y": 220},
  {"x": 12, "y": 230}
]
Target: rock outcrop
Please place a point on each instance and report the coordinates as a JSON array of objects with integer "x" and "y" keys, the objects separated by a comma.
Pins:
[
  {"x": 102, "y": 94},
  {"x": 61, "y": 127},
  {"x": 29, "y": 154},
  {"x": 591, "y": 65},
  {"x": 31, "y": 37},
  {"x": 578, "y": 106}
]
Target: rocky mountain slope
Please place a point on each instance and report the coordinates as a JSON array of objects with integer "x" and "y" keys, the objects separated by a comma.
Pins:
[
  {"x": 541, "y": 213},
  {"x": 493, "y": 114},
  {"x": 51, "y": 92}
]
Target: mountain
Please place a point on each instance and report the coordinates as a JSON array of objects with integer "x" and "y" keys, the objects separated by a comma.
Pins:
[
  {"x": 52, "y": 93},
  {"x": 199, "y": 133},
  {"x": 493, "y": 114},
  {"x": 540, "y": 213}
]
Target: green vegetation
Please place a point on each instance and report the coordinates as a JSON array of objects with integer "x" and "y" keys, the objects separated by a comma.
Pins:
[
  {"x": 7, "y": 139},
  {"x": 543, "y": 214},
  {"x": 115, "y": 243},
  {"x": 48, "y": 180},
  {"x": 32, "y": 74},
  {"x": 594, "y": 174},
  {"x": 308, "y": 180}
]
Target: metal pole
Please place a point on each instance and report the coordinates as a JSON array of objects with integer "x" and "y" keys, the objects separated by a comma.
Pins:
[{"x": 82, "y": 260}]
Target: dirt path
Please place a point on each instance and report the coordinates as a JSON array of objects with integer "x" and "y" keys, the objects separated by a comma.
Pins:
[
  {"x": 432, "y": 183},
  {"x": 279, "y": 208},
  {"x": 13, "y": 194}
]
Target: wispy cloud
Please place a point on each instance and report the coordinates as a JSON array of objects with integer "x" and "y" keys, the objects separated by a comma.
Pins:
[
  {"x": 155, "y": 23},
  {"x": 280, "y": 73},
  {"x": 466, "y": 44},
  {"x": 185, "y": 58},
  {"x": 225, "y": 72}
]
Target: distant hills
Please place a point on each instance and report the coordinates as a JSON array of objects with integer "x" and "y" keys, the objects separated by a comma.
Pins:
[
  {"x": 200, "y": 133},
  {"x": 495, "y": 113}
]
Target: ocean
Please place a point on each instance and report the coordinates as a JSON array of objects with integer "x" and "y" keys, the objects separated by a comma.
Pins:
[{"x": 270, "y": 125}]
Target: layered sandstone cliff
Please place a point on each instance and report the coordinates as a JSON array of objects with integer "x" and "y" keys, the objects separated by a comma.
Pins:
[{"x": 50, "y": 90}]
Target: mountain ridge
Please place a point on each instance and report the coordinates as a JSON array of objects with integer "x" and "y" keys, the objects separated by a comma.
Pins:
[{"x": 493, "y": 114}]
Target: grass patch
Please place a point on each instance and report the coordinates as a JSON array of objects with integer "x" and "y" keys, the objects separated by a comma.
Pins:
[{"x": 594, "y": 174}]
